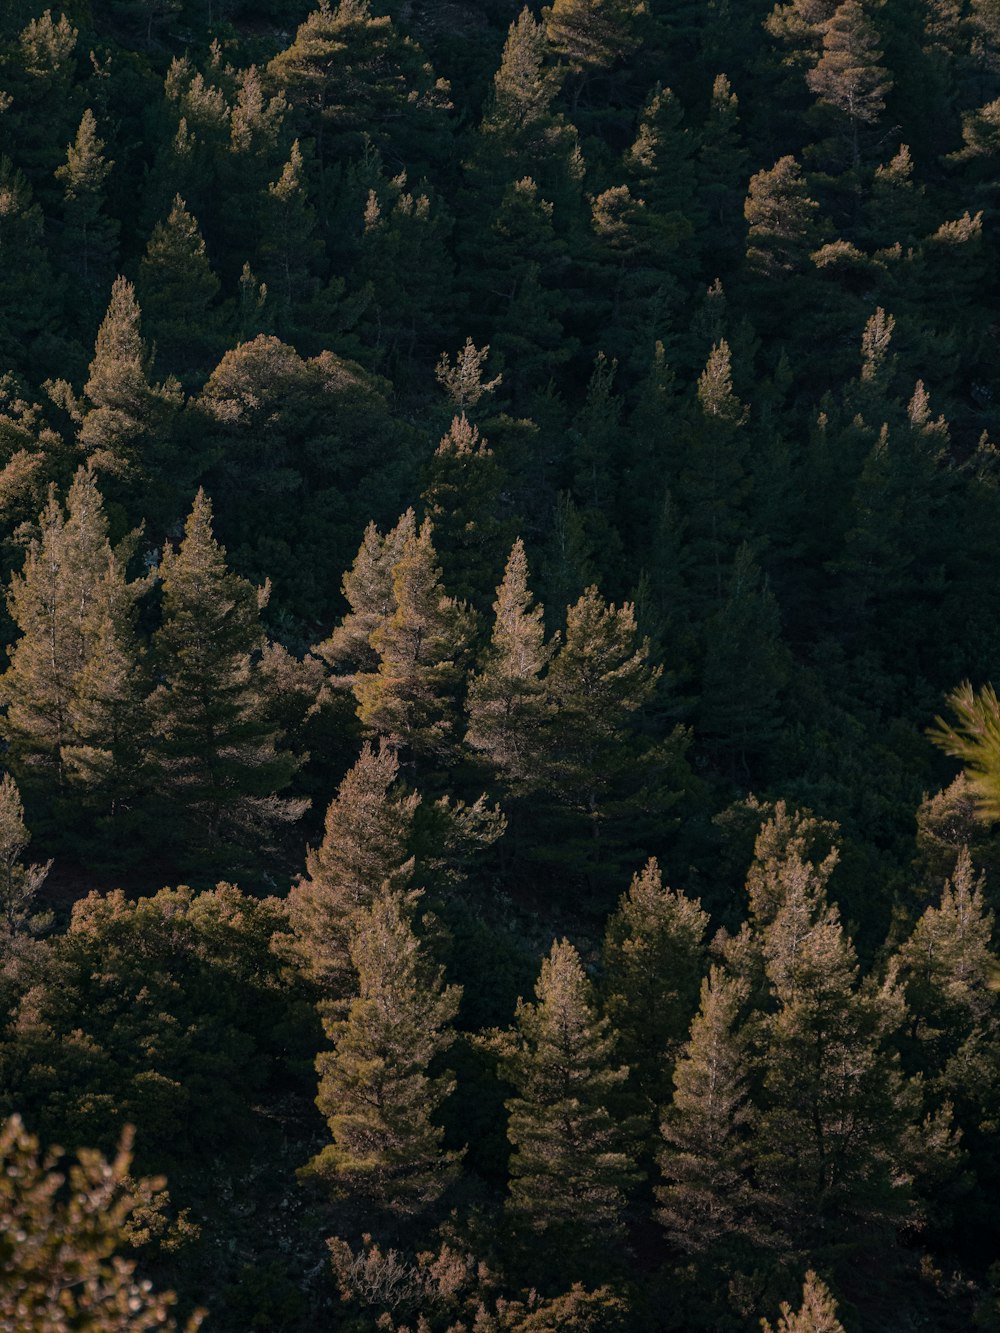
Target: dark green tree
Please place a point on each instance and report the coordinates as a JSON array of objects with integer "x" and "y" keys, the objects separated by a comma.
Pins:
[
  {"x": 573, "y": 1162},
  {"x": 90, "y": 235},
  {"x": 413, "y": 697},
  {"x": 217, "y": 759},
  {"x": 707, "y": 1198},
  {"x": 506, "y": 699},
  {"x": 177, "y": 291},
  {"x": 366, "y": 844},
  {"x": 654, "y": 958},
  {"x": 377, "y": 1090}
]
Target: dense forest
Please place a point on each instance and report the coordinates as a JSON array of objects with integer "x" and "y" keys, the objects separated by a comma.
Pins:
[{"x": 499, "y": 514}]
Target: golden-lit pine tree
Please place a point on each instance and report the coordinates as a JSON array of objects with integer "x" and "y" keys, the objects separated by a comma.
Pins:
[{"x": 376, "y": 1088}]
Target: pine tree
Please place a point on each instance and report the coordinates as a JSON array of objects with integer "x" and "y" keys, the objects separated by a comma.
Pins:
[
  {"x": 653, "y": 962},
  {"x": 520, "y": 134},
  {"x": 721, "y": 169},
  {"x": 359, "y": 80},
  {"x": 50, "y": 601},
  {"x": 19, "y": 884},
  {"x": 38, "y": 73},
  {"x": 412, "y": 699},
  {"x": 714, "y": 481},
  {"x": 105, "y": 760},
  {"x": 217, "y": 757},
  {"x": 601, "y": 780},
  {"x": 376, "y": 1089},
  {"x": 369, "y": 593},
  {"x": 462, "y": 498},
  {"x": 707, "y": 1200},
  {"x": 831, "y": 1140},
  {"x": 818, "y": 1313},
  {"x": 127, "y": 426},
  {"x": 506, "y": 699},
  {"x": 781, "y": 220},
  {"x": 290, "y": 249},
  {"x": 573, "y": 1158},
  {"x": 848, "y": 77},
  {"x": 366, "y": 844},
  {"x": 660, "y": 163},
  {"x": 90, "y": 236},
  {"x": 177, "y": 290},
  {"x": 591, "y": 35},
  {"x": 948, "y": 969}
]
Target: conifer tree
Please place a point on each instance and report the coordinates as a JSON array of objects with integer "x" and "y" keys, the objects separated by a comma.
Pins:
[
  {"x": 366, "y": 844},
  {"x": 290, "y": 248},
  {"x": 721, "y": 169},
  {"x": 359, "y": 80},
  {"x": 106, "y": 758},
  {"x": 218, "y": 760},
  {"x": 520, "y": 134},
  {"x": 45, "y": 106},
  {"x": 848, "y": 76},
  {"x": 707, "y": 1198},
  {"x": 376, "y": 1087},
  {"x": 948, "y": 969},
  {"x": 412, "y": 699},
  {"x": 19, "y": 884},
  {"x": 368, "y": 589},
  {"x": 462, "y": 498},
  {"x": 50, "y": 601},
  {"x": 604, "y": 779},
  {"x": 714, "y": 481},
  {"x": 653, "y": 963},
  {"x": 573, "y": 1157},
  {"x": 177, "y": 289},
  {"x": 90, "y": 236},
  {"x": 518, "y": 274},
  {"x": 831, "y": 1140},
  {"x": 660, "y": 162},
  {"x": 506, "y": 699},
  {"x": 974, "y": 738},
  {"x": 591, "y": 35},
  {"x": 781, "y": 219},
  {"x": 818, "y": 1313},
  {"x": 127, "y": 425},
  {"x": 66, "y": 1230},
  {"x": 406, "y": 263}
]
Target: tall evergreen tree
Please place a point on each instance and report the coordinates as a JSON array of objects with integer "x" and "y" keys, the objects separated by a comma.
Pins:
[
  {"x": 177, "y": 290},
  {"x": 412, "y": 699},
  {"x": 129, "y": 421},
  {"x": 369, "y": 593},
  {"x": 462, "y": 498},
  {"x": 377, "y": 1088},
  {"x": 366, "y": 844},
  {"x": 602, "y": 780},
  {"x": 707, "y": 1200},
  {"x": 653, "y": 962},
  {"x": 218, "y": 760},
  {"x": 506, "y": 700},
  {"x": 90, "y": 235},
  {"x": 818, "y": 1313},
  {"x": 51, "y": 602},
  {"x": 105, "y": 761},
  {"x": 573, "y": 1157}
]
